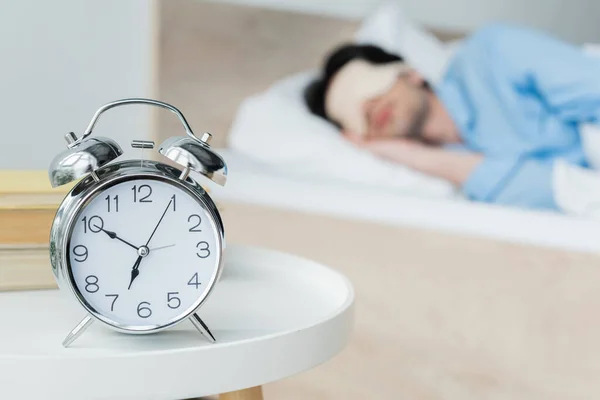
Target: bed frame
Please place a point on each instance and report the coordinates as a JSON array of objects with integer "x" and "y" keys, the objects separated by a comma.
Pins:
[{"x": 439, "y": 314}]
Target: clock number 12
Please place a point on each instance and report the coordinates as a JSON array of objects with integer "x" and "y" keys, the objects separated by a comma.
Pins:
[{"x": 144, "y": 191}]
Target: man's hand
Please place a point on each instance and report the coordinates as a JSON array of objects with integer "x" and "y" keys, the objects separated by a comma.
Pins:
[
  {"x": 436, "y": 161},
  {"x": 389, "y": 149}
]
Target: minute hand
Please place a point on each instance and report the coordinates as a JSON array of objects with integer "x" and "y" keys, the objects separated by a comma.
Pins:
[{"x": 159, "y": 221}]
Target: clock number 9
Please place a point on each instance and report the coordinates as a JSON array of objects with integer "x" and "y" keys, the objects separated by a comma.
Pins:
[
  {"x": 94, "y": 224},
  {"x": 144, "y": 312},
  {"x": 80, "y": 252},
  {"x": 203, "y": 248}
]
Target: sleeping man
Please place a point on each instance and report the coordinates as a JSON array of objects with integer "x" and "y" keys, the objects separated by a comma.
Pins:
[{"x": 509, "y": 105}]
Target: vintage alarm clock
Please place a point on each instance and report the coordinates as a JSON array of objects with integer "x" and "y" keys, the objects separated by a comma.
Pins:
[{"x": 138, "y": 243}]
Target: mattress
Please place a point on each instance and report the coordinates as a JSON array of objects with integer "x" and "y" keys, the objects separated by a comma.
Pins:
[{"x": 255, "y": 183}]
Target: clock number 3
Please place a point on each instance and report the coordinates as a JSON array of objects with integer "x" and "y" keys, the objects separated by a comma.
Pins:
[{"x": 203, "y": 250}]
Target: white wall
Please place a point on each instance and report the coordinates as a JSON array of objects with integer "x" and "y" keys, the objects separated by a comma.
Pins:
[
  {"x": 59, "y": 61},
  {"x": 575, "y": 20}
]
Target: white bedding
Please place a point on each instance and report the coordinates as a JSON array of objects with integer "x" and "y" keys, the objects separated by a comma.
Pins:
[{"x": 257, "y": 183}]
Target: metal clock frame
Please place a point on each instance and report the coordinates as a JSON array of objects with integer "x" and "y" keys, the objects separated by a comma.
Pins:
[{"x": 87, "y": 190}]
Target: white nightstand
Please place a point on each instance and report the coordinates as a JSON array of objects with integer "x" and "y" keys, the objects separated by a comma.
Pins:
[{"x": 274, "y": 315}]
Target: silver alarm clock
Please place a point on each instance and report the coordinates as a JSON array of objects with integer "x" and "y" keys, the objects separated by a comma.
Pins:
[{"x": 138, "y": 243}]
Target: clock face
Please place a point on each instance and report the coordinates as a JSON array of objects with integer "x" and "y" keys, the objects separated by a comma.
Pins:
[{"x": 143, "y": 254}]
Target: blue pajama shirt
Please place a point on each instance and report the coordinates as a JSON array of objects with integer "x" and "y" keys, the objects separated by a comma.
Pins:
[{"x": 518, "y": 97}]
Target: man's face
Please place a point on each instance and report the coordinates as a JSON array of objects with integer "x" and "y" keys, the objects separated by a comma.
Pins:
[
  {"x": 399, "y": 112},
  {"x": 378, "y": 101}
]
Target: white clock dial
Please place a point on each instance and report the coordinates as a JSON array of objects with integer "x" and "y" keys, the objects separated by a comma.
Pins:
[{"x": 143, "y": 253}]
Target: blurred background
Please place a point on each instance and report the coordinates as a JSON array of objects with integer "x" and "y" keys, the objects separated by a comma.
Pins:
[
  {"x": 456, "y": 299},
  {"x": 62, "y": 60}
]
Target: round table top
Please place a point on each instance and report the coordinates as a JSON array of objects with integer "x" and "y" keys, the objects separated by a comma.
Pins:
[{"x": 273, "y": 315}]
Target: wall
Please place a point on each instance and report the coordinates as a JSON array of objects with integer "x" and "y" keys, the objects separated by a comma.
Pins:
[
  {"x": 574, "y": 20},
  {"x": 60, "y": 61}
]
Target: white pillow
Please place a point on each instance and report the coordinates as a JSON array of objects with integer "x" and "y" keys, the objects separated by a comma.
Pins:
[
  {"x": 277, "y": 128},
  {"x": 390, "y": 28}
]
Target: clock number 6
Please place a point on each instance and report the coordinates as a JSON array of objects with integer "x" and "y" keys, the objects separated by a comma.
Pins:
[
  {"x": 147, "y": 312},
  {"x": 203, "y": 249},
  {"x": 171, "y": 297}
]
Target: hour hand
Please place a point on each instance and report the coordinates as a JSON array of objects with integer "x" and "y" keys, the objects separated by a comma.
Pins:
[
  {"x": 135, "y": 271},
  {"x": 113, "y": 235}
]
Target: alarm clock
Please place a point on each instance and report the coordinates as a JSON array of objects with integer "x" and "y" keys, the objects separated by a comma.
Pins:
[{"x": 137, "y": 243}]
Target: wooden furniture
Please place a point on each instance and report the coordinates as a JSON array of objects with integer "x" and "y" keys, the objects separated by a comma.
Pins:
[
  {"x": 254, "y": 393},
  {"x": 274, "y": 315}
]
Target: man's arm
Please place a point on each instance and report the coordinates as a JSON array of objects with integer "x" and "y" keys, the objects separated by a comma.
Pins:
[
  {"x": 455, "y": 167},
  {"x": 526, "y": 182}
]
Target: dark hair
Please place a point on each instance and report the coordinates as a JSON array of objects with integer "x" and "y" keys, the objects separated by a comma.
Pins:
[{"x": 314, "y": 94}]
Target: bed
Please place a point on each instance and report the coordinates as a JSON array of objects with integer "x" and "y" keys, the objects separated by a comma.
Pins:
[
  {"x": 455, "y": 300},
  {"x": 256, "y": 183}
]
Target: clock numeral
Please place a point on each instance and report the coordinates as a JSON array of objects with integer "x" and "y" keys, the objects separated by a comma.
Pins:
[
  {"x": 112, "y": 305},
  {"x": 144, "y": 312},
  {"x": 172, "y": 298},
  {"x": 173, "y": 199},
  {"x": 203, "y": 247},
  {"x": 116, "y": 200},
  {"x": 194, "y": 281},
  {"x": 80, "y": 252},
  {"x": 93, "y": 224},
  {"x": 91, "y": 284},
  {"x": 195, "y": 217},
  {"x": 144, "y": 191}
]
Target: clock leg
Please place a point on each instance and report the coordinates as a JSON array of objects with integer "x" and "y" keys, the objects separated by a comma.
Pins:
[
  {"x": 254, "y": 393},
  {"x": 202, "y": 328},
  {"x": 77, "y": 331}
]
